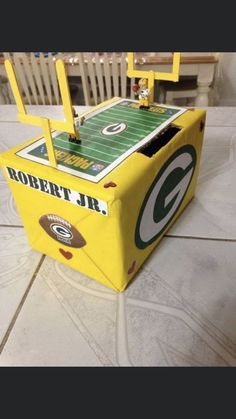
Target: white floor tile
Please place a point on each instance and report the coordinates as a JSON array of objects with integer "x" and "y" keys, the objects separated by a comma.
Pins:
[
  {"x": 182, "y": 305},
  {"x": 14, "y": 133},
  {"x": 46, "y": 335},
  {"x": 8, "y": 113},
  {"x": 221, "y": 116},
  {"x": 63, "y": 325},
  {"x": 17, "y": 265},
  {"x": 212, "y": 211},
  {"x": 11, "y": 134},
  {"x": 8, "y": 212},
  {"x": 179, "y": 310}
]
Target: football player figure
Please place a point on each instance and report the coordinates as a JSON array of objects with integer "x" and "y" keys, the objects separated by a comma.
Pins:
[
  {"x": 75, "y": 138},
  {"x": 141, "y": 90}
]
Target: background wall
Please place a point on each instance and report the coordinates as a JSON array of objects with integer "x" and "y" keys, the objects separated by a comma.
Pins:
[{"x": 226, "y": 80}]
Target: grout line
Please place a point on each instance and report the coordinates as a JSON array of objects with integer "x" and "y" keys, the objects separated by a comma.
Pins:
[
  {"x": 221, "y": 126},
  {"x": 200, "y": 238},
  {"x": 11, "y": 225},
  {"x": 17, "y": 312}
]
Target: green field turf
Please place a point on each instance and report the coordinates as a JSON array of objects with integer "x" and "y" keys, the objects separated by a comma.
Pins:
[{"x": 103, "y": 150}]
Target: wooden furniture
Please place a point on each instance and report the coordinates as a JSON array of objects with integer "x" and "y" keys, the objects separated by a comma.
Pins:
[
  {"x": 4, "y": 95},
  {"x": 185, "y": 90},
  {"x": 102, "y": 81},
  {"x": 199, "y": 65},
  {"x": 37, "y": 78}
]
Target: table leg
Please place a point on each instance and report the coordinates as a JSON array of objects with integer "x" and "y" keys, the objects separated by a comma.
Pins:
[
  {"x": 204, "y": 80},
  {"x": 2, "y": 99},
  {"x": 202, "y": 95}
]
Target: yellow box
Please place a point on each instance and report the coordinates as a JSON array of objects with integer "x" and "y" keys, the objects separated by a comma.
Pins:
[{"x": 106, "y": 229}]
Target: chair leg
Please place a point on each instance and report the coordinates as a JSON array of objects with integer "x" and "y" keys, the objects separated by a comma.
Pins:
[
  {"x": 190, "y": 101},
  {"x": 2, "y": 99},
  {"x": 169, "y": 98},
  {"x": 162, "y": 96}
]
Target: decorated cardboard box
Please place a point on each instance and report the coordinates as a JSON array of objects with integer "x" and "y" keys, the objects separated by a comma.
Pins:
[
  {"x": 100, "y": 202},
  {"x": 132, "y": 185}
]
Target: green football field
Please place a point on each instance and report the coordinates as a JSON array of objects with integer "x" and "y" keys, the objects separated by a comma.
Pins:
[{"x": 108, "y": 136}]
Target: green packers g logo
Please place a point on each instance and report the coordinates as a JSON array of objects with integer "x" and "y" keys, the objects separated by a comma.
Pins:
[
  {"x": 114, "y": 129},
  {"x": 165, "y": 196}
]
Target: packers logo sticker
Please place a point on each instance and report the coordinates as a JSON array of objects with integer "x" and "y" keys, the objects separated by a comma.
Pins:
[
  {"x": 113, "y": 129},
  {"x": 165, "y": 195},
  {"x": 61, "y": 230}
]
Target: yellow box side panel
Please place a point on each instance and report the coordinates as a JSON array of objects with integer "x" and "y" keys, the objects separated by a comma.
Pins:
[
  {"x": 140, "y": 181},
  {"x": 101, "y": 256}
]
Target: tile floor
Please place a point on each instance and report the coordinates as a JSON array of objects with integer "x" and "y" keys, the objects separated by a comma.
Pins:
[{"x": 179, "y": 311}]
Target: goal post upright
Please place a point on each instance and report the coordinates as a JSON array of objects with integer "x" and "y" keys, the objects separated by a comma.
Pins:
[
  {"x": 48, "y": 125},
  {"x": 154, "y": 75}
]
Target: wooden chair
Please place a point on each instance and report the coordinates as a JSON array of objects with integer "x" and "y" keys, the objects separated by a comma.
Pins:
[
  {"x": 104, "y": 77},
  {"x": 37, "y": 78},
  {"x": 185, "y": 90},
  {"x": 4, "y": 90}
]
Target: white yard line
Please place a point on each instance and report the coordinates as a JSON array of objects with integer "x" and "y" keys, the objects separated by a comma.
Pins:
[
  {"x": 87, "y": 155},
  {"x": 120, "y": 135},
  {"x": 24, "y": 152},
  {"x": 103, "y": 145},
  {"x": 112, "y": 120},
  {"x": 152, "y": 115},
  {"x": 132, "y": 118},
  {"x": 94, "y": 149},
  {"x": 93, "y": 141}
]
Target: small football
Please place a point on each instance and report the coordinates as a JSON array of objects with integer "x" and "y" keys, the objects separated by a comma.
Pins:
[
  {"x": 61, "y": 230},
  {"x": 135, "y": 87}
]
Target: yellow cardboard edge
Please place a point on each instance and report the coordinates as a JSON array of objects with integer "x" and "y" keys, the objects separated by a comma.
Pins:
[
  {"x": 60, "y": 176},
  {"x": 158, "y": 75},
  {"x": 47, "y": 124}
]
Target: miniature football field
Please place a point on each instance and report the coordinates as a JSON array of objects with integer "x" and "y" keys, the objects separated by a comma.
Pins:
[{"x": 109, "y": 135}]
